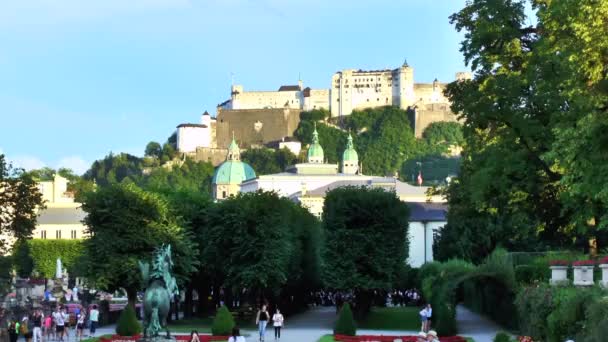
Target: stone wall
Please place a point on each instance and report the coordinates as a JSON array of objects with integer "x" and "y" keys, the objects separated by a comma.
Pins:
[
  {"x": 255, "y": 127},
  {"x": 215, "y": 156},
  {"x": 422, "y": 117}
]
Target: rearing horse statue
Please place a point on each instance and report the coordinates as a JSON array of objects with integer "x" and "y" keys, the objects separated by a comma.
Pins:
[{"x": 160, "y": 288}]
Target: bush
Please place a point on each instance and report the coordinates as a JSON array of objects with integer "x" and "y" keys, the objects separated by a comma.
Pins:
[
  {"x": 346, "y": 323},
  {"x": 223, "y": 322},
  {"x": 502, "y": 337},
  {"x": 127, "y": 324},
  {"x": 596, "y": 327}
]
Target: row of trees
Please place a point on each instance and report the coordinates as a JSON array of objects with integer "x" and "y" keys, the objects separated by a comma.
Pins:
[
  {"x": 534, "y": 170},
  {"x": 258, "y": 242}
]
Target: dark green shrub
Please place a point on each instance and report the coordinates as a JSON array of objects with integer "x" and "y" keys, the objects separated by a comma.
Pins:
[
  {"x": 596, "y": 327},
  {"x": 568, "y": 318},
  {"x": 345, "y": 325},
  {"x": 223, "y": 322},
  {"x": 502, "y": 337},
  {"x": 534, "y": 304},
  {"x": 127, "y": 324}
]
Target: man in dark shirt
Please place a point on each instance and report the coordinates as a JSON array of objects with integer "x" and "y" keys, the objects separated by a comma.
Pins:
[{"x": 37, "y": 322}]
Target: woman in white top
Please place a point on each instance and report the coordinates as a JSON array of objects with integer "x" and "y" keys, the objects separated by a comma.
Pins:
[
  {"x": 236, "y": 336},
  {"x": 277, "y": 322}
]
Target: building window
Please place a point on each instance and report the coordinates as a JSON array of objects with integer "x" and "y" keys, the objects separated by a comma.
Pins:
[
  {"x": 58, "y": 234},
  {"x": 73, "y": 234},
  {"x": 223, "y": 194},
  {"x": 43, "y": 234}
]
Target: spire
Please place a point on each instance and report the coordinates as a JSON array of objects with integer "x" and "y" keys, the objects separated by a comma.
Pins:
[
  {"x": 349, "y": 142},
  {"x": 234, "y": 153},
  {"x": 405, "y": 63},
  {"x": 350, "y": 158},
  {"x": 315, "y": 135}
]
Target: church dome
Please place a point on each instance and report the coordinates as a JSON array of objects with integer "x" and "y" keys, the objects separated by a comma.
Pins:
[
  {"x": 350, "y": 154},
  {"x": 315, "y": 151},
  {"x": 233, "y": 172}
]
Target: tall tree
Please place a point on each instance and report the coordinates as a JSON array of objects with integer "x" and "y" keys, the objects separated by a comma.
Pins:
[
  {"x": 534, "y": 156},
  {"x": 366, "y": 244},
  {"x": 19, "y": 201},
  {"x": 268, "y": 161},
  {"x": 153, "y": 149},
  {"x": 126, "y": 224}
]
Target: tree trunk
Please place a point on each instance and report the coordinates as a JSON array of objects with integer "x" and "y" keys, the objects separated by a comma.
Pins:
[
  {"x": 131, "y": 296},
  {"x": 188, "y": 302}
]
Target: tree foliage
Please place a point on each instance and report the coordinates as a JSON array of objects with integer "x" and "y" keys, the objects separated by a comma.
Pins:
[
  {"x": 19, "y": 201},
  {"x": 535, "y": 158},
  {"x": 153, "y": 149},
  {"x": 259, "y": 241},
  {"x": 126, "y": 224},
  {"x": 114, "y": 168},
  {"x": 267, "y": 161},
  {"x": 366, "y": 242}
]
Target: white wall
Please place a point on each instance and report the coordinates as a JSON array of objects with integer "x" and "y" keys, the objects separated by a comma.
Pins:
[
  {"x": 418, "y": 242},
  {"x": 189, "y": 138}
]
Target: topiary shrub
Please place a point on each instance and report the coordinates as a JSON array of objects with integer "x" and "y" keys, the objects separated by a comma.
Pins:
[
  {"x": 127, "y": 324},
  {"x": 345, "y": 325},
  {"x": 502, "y": 337},
  {"x": 223, "y": 322}
]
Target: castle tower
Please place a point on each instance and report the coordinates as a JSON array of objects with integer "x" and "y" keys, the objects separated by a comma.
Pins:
[
  {"x": 350, "y": 158},
  {"x": 315, "y": 151},
  {"x": 405, "y": 92}
]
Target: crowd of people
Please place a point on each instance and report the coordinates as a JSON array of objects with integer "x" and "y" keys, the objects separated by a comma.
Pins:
[{"x": 58, "y": 325}]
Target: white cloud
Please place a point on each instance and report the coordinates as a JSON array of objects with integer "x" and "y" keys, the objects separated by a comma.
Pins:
[
  {"x": 76, "y": 163},
  {"x": 27, "y": 162}
]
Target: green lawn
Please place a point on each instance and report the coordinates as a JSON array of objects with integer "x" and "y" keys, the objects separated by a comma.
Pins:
[{"x": 395, "y": 318}]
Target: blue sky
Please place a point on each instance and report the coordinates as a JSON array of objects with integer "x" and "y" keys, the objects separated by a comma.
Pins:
[{"x": 79, "y": 79}]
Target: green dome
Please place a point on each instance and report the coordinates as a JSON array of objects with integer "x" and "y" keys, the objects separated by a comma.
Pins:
[
  {"x": 233, "y": 172},
  {"x": 315, "y": 151},
  {"x": 350, "y": 154}
]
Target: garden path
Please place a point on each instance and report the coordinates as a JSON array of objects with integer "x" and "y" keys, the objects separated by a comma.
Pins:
[{"x": 314, "y": 323}]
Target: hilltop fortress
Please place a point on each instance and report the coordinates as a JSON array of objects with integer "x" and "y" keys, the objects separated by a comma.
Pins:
[{"x": 261, "y": 118}]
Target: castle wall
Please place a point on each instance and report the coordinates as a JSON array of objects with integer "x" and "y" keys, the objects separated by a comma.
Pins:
[
  {"x": 215, "y": 156},
  {"x": 255, "y": 127},
  {"x": 191, "y": 137},
  {"x": 316, "y": 99},
  {"x": 422, "y": 117},
  {"x": 267, "y": 99}
]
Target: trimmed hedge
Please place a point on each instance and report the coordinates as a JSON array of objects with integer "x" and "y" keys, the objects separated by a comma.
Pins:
[
  {"x": 127, "y": 324},
  {"x": 44, "y": 254},
  {"x": 223, "y": 322},
  {"x": 345, "y": 325}
]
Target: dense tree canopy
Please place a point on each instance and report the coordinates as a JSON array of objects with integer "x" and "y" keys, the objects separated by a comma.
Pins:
[
  {"x": 19, "y": 200},
  {"x": 126, "y": 224},
  {"x": 534, "y": 168},
  {"x": 267, "y": 161},
  {"x": 366, "y": 240},
  {"x": 261, "y": 242}
]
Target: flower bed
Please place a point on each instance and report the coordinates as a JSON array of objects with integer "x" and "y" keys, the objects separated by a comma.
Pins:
[
  {"x": 603, "y": 260},
  {"x": 203, "y": 338},
  {"x": 383, "y": 338},
  {"x": 584, "y": 263},
  {"x": 559, "y": 263}
]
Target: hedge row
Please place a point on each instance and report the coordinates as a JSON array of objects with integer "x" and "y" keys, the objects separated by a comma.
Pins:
[
  {"x": 44, "y": 254},
  {"x": 555, "y": 313}
]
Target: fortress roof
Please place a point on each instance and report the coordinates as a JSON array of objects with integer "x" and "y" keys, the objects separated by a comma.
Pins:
[
  {"x": 191, "y": 125},
  {"x": 289, "y": 88}
]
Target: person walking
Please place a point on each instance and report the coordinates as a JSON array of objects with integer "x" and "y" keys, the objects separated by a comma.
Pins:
[
  {"x": 80, "y": 321},
  {"x": 25, "y": 328},
  {"x": 423, "y": 318},
  {"x": 94, "y": 318},
  {"x": 277, "y": 322},
  {"x": 48, "y": 325},
  {"x": 37, "y": 320},
  {"x": 262, "y": 320},
  {"x": 59, "y": 316},
  {"x": 13, "y": 330}
]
